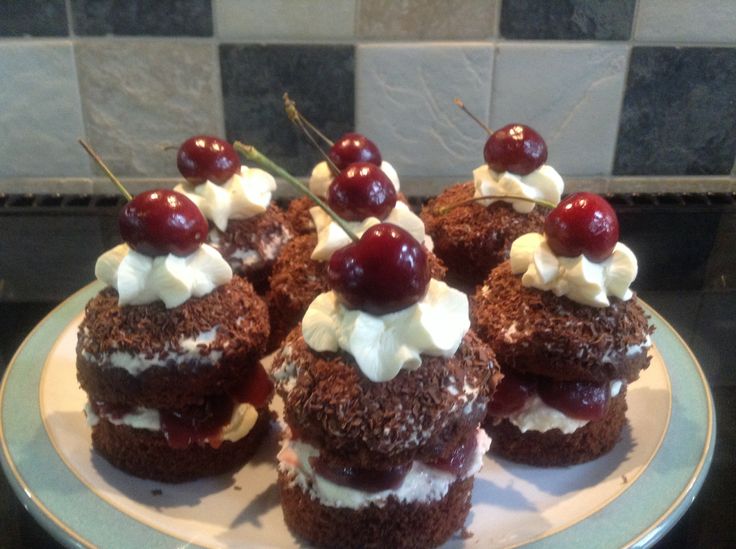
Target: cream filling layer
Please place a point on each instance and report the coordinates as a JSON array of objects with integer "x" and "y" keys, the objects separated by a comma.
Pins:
[
  {"x": 421, "y": 484},
  {"x": 241, "y": 422}
]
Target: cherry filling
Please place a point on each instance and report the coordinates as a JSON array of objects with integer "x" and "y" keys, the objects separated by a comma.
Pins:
[
  {"x": 366, "y": 480},
  {"x": 195, "y": 424},
  {"x": 459, "y": 462},
  {"x": 576, "y": 399},
  {"x": 255, "y": 389}
]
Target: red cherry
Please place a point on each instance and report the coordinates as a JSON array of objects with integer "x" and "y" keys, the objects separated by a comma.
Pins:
[
  {"x": 511, "y": 394},
  {"x": 366, "y": 480},
  {"x": 203, "y": 157},
  {"x": 161, "y": 222},
  {"x": 515, "y": 148},
  {"x": 194, "y": 424},
  {"x": 385, "y": 271},
  {"x": 461, "y": 457},
  {"x": 256, "y": 387},
  {"x": 583, "y": 223},
  {"x": 576, "y": 399},
  {"x": 354, "y": 147},
  {"x": 361, "y": 190}
]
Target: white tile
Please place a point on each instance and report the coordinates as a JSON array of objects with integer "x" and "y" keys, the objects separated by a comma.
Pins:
[
  {"x": 570, "y": 93},
  {"x": 686, "y": 20},
  {"x": 404, "y": 96},
  {"x": 40, "y": 112},
  {"x": 271, "y": 20}
]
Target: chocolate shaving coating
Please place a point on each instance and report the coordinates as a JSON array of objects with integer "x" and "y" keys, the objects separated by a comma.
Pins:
[
  {"x": 422, "y": 414},
  {"x": 263, "y": 234},
  {"x": 556, "y": 337},
  {"x": 472, "y": 239}
]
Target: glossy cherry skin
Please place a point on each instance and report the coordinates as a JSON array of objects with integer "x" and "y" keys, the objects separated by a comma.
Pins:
[
  {"x": 582, "y": 224},
  {"x": 515, "y": 148},
  {"x": 576, "y": 399},
  {"x": 354, "y": 147},
  {"x": 361, "y": 190},
  {"x": 162, "y": 222},
  {"x": 459, "y": 461},
  {"x": 206, "y": 158},
  {"x": 366, "y": 480},
  {"x": 385, "y": 271},
  {"x": 511, "y": 394}
]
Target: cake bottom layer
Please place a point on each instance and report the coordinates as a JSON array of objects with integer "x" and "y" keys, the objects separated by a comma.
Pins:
[
  {"x": 146, "y": 454},
  {"x": 395, "y": 524},
  {"x": 554, "y": 448}
]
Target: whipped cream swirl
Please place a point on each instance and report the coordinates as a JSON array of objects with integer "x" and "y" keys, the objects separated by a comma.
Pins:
[
  {"x": 383, "y": 345},
  {"x": 544, "y": 183},
  {"x": 331, "y": 237},
  {"x": 322, "y": 177},
  {"x": 577, "y": 278},
  {"x": 242, "y": 196},
  {"x": 140, "y": 279}
]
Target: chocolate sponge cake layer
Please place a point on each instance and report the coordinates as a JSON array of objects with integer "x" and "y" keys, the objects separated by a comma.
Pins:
[
  {"x": 251, "y": 245},
  {"x": 554, "y": 448},
  {"x": 394, "y": 524},
  {"x": 472, "y": 239},
  {"x": 146, "y": 454},
  {"x": 230, "y": 324},
  {"x": 297, "y": 279},
  {"x": 537, "y": 332},
  {"x": 418, "y": 415}
]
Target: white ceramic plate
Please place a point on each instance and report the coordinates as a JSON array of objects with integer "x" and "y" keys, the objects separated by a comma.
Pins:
[{"x": 629, "y": 497}]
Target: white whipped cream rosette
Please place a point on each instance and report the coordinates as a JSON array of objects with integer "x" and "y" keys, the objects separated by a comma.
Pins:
[
  {"x": 141, "y": 279},
  {"x": 331, "y": 237},
  {"x": 577, "y": 278},
  {"x": 544, "y": 183},
  {"x": 383, "y": 345},
  {"x": 322, "y": 176},
  {"x": 244, "y": 195}
]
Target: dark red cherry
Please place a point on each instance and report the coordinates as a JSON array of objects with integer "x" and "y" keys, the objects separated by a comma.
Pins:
[
  {"x": 385, "y": 271},
  {"x": 255, "y": 388},
  {"x": 367, "y": 480},
  {"x": 461, "y": 458},
  {"x": 162, "y": 222},
  {"x": 204, "y": 157},
  {"x": 515, "y": 148},
  {"x": 354, "y": 147},
  {"x": 361, "y": 190},
  {"x": 511, "y": 394},
  {"x": 194, "y": 424},
  {"x": 583, "y": 223},
  {"x": 577, "y": 399}
]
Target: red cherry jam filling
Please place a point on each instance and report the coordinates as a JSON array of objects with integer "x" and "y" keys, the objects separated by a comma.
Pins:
[
  {"x": 354, "y": 147},
  {"x": 366, "y": 480},
  {"x": 162, "y": 222},
  {"x": 360, "y": 191},
  {"x": 515, "y": 148},
  {"x": 204, "y": 157},
  {"x": 582, "y": 224},
  {"x": 256, "y": 388},
  {"x": 461, "y": 458},
  {"x": 576, "y": 399},
  {"x": 195, "y": 424}
]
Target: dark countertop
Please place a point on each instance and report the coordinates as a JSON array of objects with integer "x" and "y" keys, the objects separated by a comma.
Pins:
[{"x": 687, "y": 273}]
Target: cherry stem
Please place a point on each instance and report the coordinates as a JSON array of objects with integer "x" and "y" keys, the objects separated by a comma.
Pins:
[
  {"x": 90, "y": 151},
  {"x": 250, "y": 152},
  {"x": 307, "y": 128},
  {"x": 460, "y": 104},
  {"x": 444, "y": 209}
]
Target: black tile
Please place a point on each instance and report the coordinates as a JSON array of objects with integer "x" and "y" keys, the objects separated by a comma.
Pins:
[
  {"x": 567, "y": 19},
  {"x": 142, "y": 17},
  {"x": 714, "y": 338},
  {"x": 678, "y": 112},
  {"x": 319, "y": 78},
  {"x": 721, "y": 269},
  {"x": 33, "y": 18}
]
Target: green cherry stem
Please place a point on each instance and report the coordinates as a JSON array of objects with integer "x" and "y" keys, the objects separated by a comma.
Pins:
[
  {"x": 250, "y": 152},
  {"x": 445, "y": 209},
  {"x": 307, "y": 128},
  {"x": 90, "y": 151},
  {"x": 477, "y": 120}
]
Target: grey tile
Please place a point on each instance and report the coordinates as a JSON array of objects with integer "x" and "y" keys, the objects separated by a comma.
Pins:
[
  {"x": 404, "y": 103},
  {"x": 272, "y": 20},
  {"x": 41, "y": 118},
  {"x": 678, "y": 112},
  {"x": 686, "y": 20},
  {"x": 319, "y": 78},
  {"x": 140, "y": 96},
  {"x": 142, "y": 17},
  {"x": 33, "y": 18},
  {"x": 570, "y": 93},
  {"x": 567, "y": 19},
  {"x": 426, "y": 19}
]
